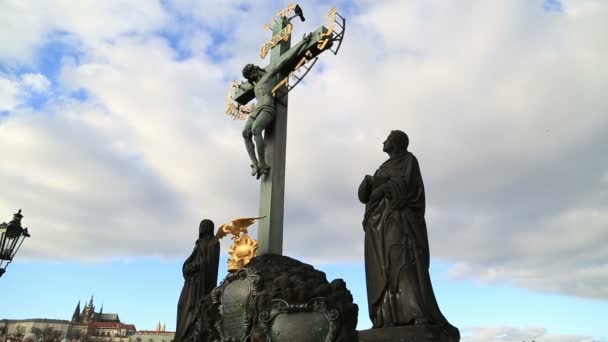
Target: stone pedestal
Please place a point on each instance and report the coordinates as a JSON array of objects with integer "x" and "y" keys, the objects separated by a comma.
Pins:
[
  {"x": 411, "y": 333},
  {"x": 279, "y": 299}
]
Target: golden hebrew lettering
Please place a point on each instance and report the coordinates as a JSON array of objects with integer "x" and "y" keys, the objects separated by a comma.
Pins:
[
  {"x": 287, "y": 32},
  {"x": 270, "y": 24},
  {"x": 233, "y": 86},
  {"x": 303, "y": 60},
  {"x": 286, "y": 11},
  {"x": 322, "y": 43},
  {"x": 280, "y": 14},
  {"x": 284, "y": 81},
  {"x": 284, "y": 34},
  {"x": 265, "y": 48},
  {"x": 230, "y": 107},
  {"x": 328, "y": 33},
  {"x": 325, "y": 37},
  {"x": 300, "y": 63},
  {"x": 289, "y": 9},
  {"x": 332, "y": 13}
]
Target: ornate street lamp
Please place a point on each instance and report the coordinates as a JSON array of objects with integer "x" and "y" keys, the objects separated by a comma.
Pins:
[{"x": 11, "y": 238}]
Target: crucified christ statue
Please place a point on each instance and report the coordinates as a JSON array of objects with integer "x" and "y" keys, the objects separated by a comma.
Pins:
[
  {"x": 263, "y": 81},
  {"x": 265, "y": 131}
]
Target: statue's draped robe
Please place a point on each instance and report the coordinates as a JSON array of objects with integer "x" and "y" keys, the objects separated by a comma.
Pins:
[
  {"x": 397, "y": 257},
  {"x": 199, "y": 282}
]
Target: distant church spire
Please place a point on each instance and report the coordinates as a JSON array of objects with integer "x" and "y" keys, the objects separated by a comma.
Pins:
[
  {"x": 101, "y": 310},
  {"x": 88, "y": 313},
  {"x": 76, "y": 315}
]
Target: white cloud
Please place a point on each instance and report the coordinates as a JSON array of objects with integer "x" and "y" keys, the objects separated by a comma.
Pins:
[
  {"x": 513, "y": 334},
  {"x": 15, "y": 91},
  {"x": 36, "y": 82},
  {"x": 28, "y": 25},
  {"x": 583, "y": 8},
  {"x": 504, "y": 104},
  {"x": 9, "y": 94}
]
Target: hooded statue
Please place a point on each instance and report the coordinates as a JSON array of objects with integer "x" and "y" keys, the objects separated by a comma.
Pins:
[
  {"x": 200, "y": 274},
  {"x": 397, "y": 257}
]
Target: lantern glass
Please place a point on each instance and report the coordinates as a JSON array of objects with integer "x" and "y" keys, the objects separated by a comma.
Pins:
[
  {"x": 11, "y": 238},
  {"x": 5, "y": 242}
]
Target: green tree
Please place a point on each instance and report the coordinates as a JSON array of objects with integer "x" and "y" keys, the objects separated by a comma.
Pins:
[
  {"x": 47, "y": 334},
  {"x": 19, "y": 330},
  {"x": 57, "y": 334}
]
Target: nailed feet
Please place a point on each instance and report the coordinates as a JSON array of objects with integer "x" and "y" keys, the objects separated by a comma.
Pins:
[
  {"x": 263, "y": 170},
  {"x": 258, "y": 171}
]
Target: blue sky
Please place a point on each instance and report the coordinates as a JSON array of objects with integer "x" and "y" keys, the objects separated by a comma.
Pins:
[
  {"x": 118, "y": 147},
  {"x": 145, "y": 291}
]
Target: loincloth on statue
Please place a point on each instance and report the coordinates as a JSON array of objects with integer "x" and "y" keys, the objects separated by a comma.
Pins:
[{"x": 263, "y": 108}]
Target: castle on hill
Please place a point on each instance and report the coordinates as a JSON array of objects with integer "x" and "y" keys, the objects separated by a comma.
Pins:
[
  {"x": 86, "y": 325},
  {"x": 91, "y": 324}
]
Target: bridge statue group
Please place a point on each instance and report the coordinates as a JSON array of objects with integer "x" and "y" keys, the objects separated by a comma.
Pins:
[{"x": 270, "y": 297}]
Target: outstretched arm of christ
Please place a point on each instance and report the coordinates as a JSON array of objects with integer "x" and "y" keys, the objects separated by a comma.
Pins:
[
  {"x": 244, "y": 93},
  {"x": 290, "y": 55}
]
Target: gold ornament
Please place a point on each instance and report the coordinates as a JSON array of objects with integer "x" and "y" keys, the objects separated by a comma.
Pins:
[{"x": 244, "y": 248}]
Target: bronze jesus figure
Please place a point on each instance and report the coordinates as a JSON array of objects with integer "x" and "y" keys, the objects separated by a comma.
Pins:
[{"x": 263, "y": 81}]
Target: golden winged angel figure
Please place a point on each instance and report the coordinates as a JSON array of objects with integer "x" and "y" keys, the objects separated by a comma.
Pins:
[
  {"x": 237, "y": 227},
  {"x": 244, "y": 248}
]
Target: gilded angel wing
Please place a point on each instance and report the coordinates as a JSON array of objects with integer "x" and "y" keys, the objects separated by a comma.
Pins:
[{"x": 241, "y": 224}]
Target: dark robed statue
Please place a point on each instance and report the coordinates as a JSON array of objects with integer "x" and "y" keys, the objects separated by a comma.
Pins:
[
  {"x": 399, "y": 289},
  {"x": 200, "y": 274}
]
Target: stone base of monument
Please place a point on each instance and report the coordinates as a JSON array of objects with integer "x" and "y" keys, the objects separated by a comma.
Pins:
[
  {"x": 410, "y": 333},
  {"x": 279, "y": 299}
]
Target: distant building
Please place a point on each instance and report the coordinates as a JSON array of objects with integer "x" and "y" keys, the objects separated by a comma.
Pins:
[
  {"x": 25, "y": 326},
  {"x": 85, "y": 325},
  {"x": 90, "y": 325},
  {"x": 158, "y": 335}
]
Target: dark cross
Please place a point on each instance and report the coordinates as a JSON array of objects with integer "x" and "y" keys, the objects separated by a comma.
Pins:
[{"x": 269, "y": 86}]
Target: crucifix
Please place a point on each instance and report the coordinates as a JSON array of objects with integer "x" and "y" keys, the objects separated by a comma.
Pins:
[{"x": 265, "y": 130}]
